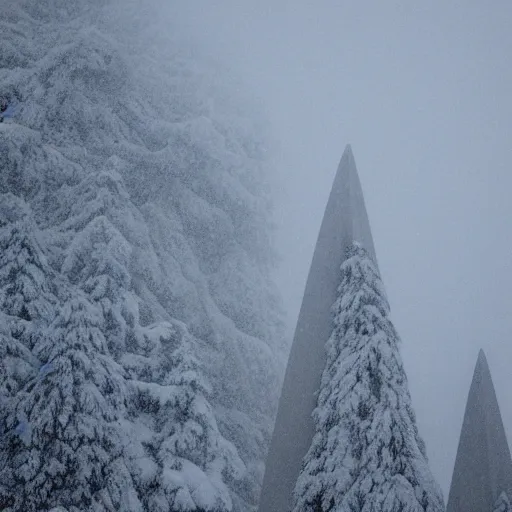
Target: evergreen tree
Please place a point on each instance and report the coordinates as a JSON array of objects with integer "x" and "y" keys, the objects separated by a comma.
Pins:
[
  {"x": 17, "y": 367},
  {"x": 195, "y": 463},
  {"x": 27, "y": 283},
  {"x": 64, "y": 436},
  {"x": 502, "y": 503},
  {"x": 97, "y": 259},
  {"x": 366, "y": 454}
]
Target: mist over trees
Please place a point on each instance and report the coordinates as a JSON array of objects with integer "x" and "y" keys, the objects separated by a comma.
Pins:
[{"x": 141, "y": 344}]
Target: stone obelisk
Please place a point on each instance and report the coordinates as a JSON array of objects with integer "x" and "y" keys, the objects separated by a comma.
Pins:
[
  {"x": 345, "y": 221},
  {"x": 483, "y": 466}
]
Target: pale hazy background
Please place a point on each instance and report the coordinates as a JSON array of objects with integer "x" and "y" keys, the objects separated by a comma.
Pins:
[{"x": 422, "y": 91}]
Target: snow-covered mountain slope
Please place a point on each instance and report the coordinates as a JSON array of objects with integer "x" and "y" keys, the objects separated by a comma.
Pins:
[{"x": 142, "y": 345}]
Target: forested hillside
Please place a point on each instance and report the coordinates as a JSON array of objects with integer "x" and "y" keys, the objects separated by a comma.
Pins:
[{"x": 141, "y": 345}]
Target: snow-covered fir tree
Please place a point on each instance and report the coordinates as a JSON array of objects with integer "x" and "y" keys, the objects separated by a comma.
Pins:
[
  {"x": 27, "y": 283},
  {"x": 17, "y": 367},
  {"x": 194, "y": 463},
  {"x": 502, "y": 503},
  {"x": 366, "y": 454},
  {"x": 27, "y": 305},
  {"x": 140, "y": 328},
  {"x": 64, "y": 441}
]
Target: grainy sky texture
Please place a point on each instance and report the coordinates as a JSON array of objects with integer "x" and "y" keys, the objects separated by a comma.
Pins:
[{"x": 422, "y": 91}]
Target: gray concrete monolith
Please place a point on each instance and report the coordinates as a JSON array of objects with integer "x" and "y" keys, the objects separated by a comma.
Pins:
[
  {"x": 483, "y": 466},
  {"x": 345, "y": 221}
]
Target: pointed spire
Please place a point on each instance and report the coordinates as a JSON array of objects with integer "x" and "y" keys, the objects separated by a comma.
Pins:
[
  {"x": 345, "y": 221},
  {"x": 483, "y": 466}
]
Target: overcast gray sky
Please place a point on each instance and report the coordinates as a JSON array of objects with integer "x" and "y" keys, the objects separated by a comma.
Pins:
[{"x": 422, "y": 91}]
